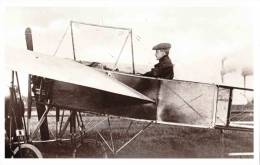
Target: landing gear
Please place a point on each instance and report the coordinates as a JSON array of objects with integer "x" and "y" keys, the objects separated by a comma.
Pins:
[
  {"x": 16, "y": 137},
  {"x": 27, "y": 151}
]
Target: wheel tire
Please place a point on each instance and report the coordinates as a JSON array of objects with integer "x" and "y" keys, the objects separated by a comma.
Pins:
[{"x": 27, "y": 151}]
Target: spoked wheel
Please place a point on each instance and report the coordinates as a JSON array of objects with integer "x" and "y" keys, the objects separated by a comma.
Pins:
[
  {"x": 27, "y": 151},
  {"x": 90, "y": 148}
]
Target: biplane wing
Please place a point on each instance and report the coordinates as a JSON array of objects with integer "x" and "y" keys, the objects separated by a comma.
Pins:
[{"x": 67, "y": 70}]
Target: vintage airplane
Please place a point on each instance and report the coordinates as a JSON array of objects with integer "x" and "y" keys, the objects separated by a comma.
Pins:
[{"x": 65, "y": 84}]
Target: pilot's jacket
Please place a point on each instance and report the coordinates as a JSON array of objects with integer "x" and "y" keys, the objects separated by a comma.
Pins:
[{"x": 164, "y": 69}]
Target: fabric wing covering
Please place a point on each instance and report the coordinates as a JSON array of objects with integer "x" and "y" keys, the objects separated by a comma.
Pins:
[{"x": 67, "y": 70}]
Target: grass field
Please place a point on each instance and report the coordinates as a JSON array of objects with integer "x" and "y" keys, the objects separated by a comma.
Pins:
[{"x": 157, "y": 141}]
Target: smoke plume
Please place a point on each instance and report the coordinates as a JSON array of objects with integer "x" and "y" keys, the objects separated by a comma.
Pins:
[{"x": 246, "y": 71}]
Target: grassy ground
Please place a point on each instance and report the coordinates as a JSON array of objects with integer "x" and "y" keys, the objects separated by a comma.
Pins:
[{"x": 157, "y": 141}]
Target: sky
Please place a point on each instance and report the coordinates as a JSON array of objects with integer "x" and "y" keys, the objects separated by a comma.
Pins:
[{"x": 201, "y": 36}]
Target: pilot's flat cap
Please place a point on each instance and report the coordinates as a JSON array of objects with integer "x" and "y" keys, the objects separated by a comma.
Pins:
[{"x": 164, "y": 46}]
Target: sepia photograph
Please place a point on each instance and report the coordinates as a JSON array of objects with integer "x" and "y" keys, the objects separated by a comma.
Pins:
[{"x": 129, "y": 80}]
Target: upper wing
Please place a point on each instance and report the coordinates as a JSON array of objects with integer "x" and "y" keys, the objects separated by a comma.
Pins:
[{"x": 67, "y": 70}]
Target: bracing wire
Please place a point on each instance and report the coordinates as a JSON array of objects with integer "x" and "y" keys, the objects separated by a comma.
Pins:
[
  {"x": 118, "y": 57},
  {"x": 60, "y": 42},
  {"x": 121, "y": 50},
  {"x": 186, "y": 102}
]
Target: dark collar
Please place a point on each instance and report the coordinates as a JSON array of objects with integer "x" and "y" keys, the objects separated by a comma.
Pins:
[{"x": 164, "y": 58}]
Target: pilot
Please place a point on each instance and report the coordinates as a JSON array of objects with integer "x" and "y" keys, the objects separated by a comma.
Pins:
[{"x": 163, "y": 69}]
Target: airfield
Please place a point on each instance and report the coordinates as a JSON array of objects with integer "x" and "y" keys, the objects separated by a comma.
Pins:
[{"x": 157, "y": 141}]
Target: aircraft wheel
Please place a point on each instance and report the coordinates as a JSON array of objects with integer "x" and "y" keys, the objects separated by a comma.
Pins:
[
  {"x": 90, "y": 148},
  {"x": 27, "y": 151}
]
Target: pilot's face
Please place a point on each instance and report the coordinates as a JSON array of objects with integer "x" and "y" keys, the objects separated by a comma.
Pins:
[{"x": 159, "y": 54}]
